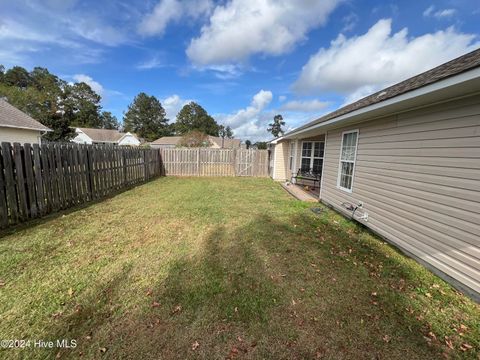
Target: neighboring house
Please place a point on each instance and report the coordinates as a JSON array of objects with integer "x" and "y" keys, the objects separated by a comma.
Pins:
[
  {"x": 103, "y": 136},
  {"x": 215, "y": 142},
  {"x": 409, "y": 156},
  {"x": 16, "y": 126}
]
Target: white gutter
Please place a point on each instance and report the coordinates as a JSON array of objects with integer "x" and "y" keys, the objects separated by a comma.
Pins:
[
  {"x": 25, "y": 128},
  {"x": 439, "y": 85}
]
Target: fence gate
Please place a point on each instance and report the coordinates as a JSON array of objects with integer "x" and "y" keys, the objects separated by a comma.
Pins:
[{"x": 246, "y": 160}]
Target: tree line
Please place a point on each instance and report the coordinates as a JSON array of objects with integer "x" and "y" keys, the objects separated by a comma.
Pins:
[{"x": 62, "y": 106}]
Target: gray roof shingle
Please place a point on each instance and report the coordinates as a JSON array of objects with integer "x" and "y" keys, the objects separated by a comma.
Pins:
[
  {"x": 448, "y": 69},
  {"x": 174, "y": 140},
  {"x": 102, "y": 135},
  {"x": 12, "y": 117}
]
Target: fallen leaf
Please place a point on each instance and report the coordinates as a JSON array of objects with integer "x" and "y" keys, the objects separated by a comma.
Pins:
[
  {"x": 70, "y": 292},
  {"x": 195, "y": 345},
  {"x": 103, "y": 350},
  {"x": 233, "y": 352},
  {"x": 465, "y": 347},
  {"x": 155, "y": 304},
  {"x": 373, "y": 294},
  {"x": 448, "y": 342},
  {"x": 386, "y": 338},
  {"x": 428, "y": 295},
  {"x": 149, "y": 292},
  {"x": 177, "y": 309}
]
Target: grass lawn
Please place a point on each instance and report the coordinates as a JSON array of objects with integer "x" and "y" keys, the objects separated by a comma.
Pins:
[{"x": 219, "y": 268}]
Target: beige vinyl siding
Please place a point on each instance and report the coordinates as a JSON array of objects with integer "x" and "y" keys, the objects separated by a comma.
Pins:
[
  {"x": 281, "y": 161},
  {"x": 418, "y": 174},
  {"x": 21, "y": 136}
]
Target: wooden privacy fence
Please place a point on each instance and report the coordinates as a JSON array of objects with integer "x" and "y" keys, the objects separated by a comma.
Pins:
[
  {"x": 38, "y": 180},
  {"x": 215, "y": 162}
]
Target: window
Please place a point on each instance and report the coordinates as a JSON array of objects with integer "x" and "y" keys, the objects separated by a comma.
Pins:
[
  {"x": 347, "y": 160},
  {"x": 312, "y": 156},
  {"x": 292, "y": 149}
]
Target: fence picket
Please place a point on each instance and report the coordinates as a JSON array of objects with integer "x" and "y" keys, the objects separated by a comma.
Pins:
[{"x": 32, "y": 198}]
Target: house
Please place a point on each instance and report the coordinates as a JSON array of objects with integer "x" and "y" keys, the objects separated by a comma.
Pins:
[
  {"x": 16, "y": 126},
  {"x": 404, "y": 162},
  {"x": 215, "y": 142},
  {"x": 104, "y": 136}
]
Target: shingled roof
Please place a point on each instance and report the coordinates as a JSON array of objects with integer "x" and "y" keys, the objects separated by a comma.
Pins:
[
  {"x": 103, "y": 135},
  {"x": 448, "y": 69},
  {"x": 174, "y": 140},
  {"x": 12, "y": 117}
]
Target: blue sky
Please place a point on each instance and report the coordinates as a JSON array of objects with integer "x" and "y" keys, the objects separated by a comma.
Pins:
[{"x": 242, "y": 60}]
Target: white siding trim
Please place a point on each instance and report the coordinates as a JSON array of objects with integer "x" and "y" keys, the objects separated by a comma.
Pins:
[{"x": 340, "y": 161}]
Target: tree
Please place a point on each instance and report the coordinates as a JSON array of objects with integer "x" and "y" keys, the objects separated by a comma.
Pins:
[
  {"x": 17, "y": 76},
  {"x": 248, "y": 143},
  {"x": 261, "y": 145},
  {"x": 225, "y": 132},
  {"x": 82, "y": 105},
  {"x": 194, "y": 117},
  {"x": 229, "y": 132},
  {"x": 51, "y": 100},
  {"x": 109, "y": 121},
  {"x": 194, "y": 138},
  {"x": 146, "y": 118},
  {"x": 276, "y": 127}
]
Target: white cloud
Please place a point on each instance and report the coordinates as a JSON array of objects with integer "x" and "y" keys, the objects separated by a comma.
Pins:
[
  {"x": 439, "y": 14},
  {"x": 282, "y": 98},
  {"x": 92, "y": 29},
  {"x": 96, "y": 86},
  {"x": 349, "y": 22},
  {"x": 172, "y": 105},
  {"x": 241, "y": 28},
  {"x": 250, "y": 122},
  {"x": 152, "y": 63},
  {"x": 305, "y": 106},
  {"x": 30, "y": 30},
  {"x": 167, "y": 11},
  {"x": 379, "y": 58}
]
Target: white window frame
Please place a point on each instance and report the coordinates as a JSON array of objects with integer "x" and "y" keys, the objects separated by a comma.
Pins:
[
  {"x": 312, "y": 157},
  {"x": 291, "y": 157},
  {"x": 354, "y": 161}
]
